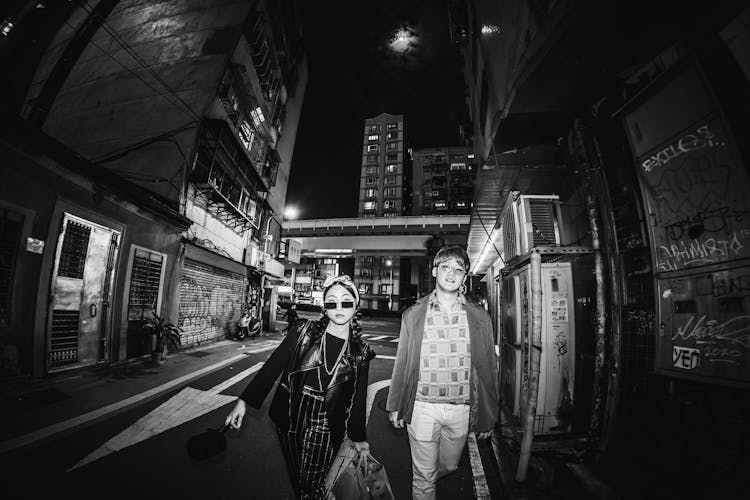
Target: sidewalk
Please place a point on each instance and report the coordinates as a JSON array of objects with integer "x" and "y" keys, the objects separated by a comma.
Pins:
[{"x": 35, "y": 409}]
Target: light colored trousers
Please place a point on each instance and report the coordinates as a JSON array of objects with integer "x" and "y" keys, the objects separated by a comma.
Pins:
[{"x": 437, "y": 436}]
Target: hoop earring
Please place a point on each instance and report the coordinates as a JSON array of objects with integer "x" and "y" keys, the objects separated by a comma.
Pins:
[{"x": 462, "y": 289}]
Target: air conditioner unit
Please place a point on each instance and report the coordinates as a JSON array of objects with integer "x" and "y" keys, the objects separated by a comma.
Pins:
[{"x": 529, "y": 221}]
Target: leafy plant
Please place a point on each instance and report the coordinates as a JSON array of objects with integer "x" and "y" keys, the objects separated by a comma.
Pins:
[{"x": 167, "y": 334}]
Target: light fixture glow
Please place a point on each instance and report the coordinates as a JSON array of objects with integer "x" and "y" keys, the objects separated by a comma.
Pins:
[{"x": 489, "y": 29}]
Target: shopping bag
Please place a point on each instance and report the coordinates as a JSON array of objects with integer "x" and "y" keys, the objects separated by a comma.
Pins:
[
  {"x": 207, "y": 444},
  {"x": 377, "y": 480},
  {"x": 346, "y": 479}
]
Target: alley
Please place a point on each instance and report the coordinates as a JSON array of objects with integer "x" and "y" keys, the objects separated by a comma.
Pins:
[{"x": 146, "y": 441}]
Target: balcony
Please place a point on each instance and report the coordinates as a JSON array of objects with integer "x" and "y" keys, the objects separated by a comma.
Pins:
[{"x": 225, "y": 179}]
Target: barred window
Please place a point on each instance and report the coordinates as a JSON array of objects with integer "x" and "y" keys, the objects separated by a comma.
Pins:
[{"x": 145, "y": 284}]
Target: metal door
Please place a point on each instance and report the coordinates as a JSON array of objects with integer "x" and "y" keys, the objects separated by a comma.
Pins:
[{"x": 80, "y": 294}]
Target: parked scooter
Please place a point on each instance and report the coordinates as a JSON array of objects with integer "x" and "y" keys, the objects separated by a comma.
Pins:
[{"x": 247, "y": 326}]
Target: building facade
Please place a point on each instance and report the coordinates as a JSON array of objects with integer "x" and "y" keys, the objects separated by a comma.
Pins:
[
  {"x": 382, "y": 177},
  {"x": 443, "y": 180},
  {"x": 198, "y": 106},
  {"x": 617, "y": 303}
]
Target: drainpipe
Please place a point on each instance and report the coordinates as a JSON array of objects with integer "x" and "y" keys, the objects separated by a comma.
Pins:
[
  {"x": 534, "y": 365},
  {"x": 601, "y": 317}
]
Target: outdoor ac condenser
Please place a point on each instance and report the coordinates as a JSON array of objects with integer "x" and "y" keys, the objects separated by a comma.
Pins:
[
  {"x": 529, "y": 221},
  {"x": 557, "y": 366}
]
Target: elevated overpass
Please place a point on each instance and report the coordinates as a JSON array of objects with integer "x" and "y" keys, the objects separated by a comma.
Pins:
[{"x": 396, "y": 236}]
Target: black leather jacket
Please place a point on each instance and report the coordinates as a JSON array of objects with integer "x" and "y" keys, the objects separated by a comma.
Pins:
[{"x": 339, "y": 394}]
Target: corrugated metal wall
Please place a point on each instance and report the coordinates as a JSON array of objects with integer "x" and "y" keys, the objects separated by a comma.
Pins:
[{"x": 210, "y": 302}]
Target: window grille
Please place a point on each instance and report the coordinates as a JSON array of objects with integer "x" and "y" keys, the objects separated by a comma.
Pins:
[
  {"x": 73, "y": 252},
  {"x": 145, "y": 284}
]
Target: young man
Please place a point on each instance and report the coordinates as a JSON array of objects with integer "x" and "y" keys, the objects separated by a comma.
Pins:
[{"x": 445, "y": 378}]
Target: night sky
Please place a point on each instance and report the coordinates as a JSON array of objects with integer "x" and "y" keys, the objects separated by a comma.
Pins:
[{"x": 353, "y": 75}]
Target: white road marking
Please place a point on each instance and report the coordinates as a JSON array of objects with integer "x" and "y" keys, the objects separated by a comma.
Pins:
[
  {"x": 481, "y": 490},
  {"x": 185, "y": 406},
  {"x": 53, "y": 429},
  {"x": 372, "y": 390}
]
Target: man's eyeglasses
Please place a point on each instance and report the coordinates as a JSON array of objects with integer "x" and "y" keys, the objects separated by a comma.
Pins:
[
  {"x": 345, "y": 304},
  {"x": 457, "y": 271}
]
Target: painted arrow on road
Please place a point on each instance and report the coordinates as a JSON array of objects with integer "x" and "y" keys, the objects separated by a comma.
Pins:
[{"x": 183, "y": 407}]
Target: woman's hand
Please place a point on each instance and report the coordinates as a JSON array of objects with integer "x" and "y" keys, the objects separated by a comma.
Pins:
[
  {"x": 362, "y": 449},
  {"x": 234, "y": 419}
]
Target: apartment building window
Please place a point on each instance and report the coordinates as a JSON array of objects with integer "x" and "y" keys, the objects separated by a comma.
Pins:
[
  {"x": 427, "y": 160},
  {"x": 392, "y": 136},
  {"x": 370, "y": 193},
  {"x": 440, "y": 204},
  {"x": 390, "y": 179},
  {"x": 391, "y": 192},
  {"x": 458, "y": 166},
  {"x": 391, "y": 169},
  {"x": 390, "y": 214},
  {"x": 372, "y": 147},
  {"x": 384, "y": 288},
  {"x": 435, "y": 192},
  {"x": 460, "y": 204},
  {"x": 367, "y": 261},
  {"x": 389, "y": 204},
  {"x": 372, "y": 158},
  {"x": 257, "y": 116},
  {"x": 365, "y": 273},
  {"x": 371, "y": 170},
  {"x": 369, "y": 215},
  {"x": 439, "y": 158},
  {"x": 392, "y": 126},
  {"x": 369, "y": 205},
  {"x": 470, "y": 156},
  {"x": 371, "y": 181},
  {"x": 373, "y": 137},
  {"x": 391, "y": 157},
  {"x": 365, "y": 288},
  {"x": 391, "y": 146},
  {"x": 374, "y": 128}
]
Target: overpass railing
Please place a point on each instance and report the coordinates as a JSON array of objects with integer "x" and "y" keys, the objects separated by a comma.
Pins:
[{"x": 405, "y": 221}]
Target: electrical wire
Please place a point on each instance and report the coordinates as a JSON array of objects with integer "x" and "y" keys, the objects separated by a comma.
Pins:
[
  {"x": 156, "y": 91},
  {"x": 489, "y": 236},
  {"x": 85, "y": 6}
]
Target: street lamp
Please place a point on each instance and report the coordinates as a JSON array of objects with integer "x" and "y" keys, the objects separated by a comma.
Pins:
[
  {"x": 389, "y": 263},
  {"x": 291, "y": 212}
]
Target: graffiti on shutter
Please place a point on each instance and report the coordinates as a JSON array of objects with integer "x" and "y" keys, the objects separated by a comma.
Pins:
[{"x": 210, "y": 302}]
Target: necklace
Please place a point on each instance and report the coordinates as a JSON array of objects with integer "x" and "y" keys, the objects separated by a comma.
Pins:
[{"x": 325, "y": 358}]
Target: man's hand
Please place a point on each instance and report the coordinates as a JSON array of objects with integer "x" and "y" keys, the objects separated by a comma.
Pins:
[
  {"x": 396, "y": 422},
  {"x": 484, "y": 435}
]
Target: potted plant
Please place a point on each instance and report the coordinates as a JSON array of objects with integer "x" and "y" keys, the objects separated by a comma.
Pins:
[{"x": 163, "y": 334}]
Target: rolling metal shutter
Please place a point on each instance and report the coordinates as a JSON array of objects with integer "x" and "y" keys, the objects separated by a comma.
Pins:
[{"x": 210, "y": 302}]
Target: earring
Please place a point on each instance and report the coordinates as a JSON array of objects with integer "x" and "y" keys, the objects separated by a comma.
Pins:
[{"x": 463, "y": 289}]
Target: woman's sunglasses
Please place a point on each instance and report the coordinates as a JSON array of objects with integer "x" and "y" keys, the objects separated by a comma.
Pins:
[{"x": 346, "y": 304}]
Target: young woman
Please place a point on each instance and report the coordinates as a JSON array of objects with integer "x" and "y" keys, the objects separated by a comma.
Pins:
[{"x": 323, "y": 389}]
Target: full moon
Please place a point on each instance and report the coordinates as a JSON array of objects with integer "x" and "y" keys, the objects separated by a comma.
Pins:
[{"x": 402, "y": 40}]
